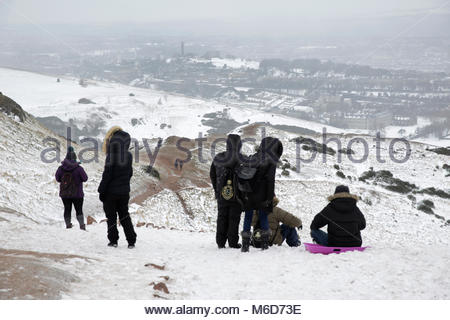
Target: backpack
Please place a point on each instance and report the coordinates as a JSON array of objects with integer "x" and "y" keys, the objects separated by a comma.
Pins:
[
  {"x": 67, "y": 187},
  {"x": 247, "y": 180},
  {"x": 256, "y": 238}
]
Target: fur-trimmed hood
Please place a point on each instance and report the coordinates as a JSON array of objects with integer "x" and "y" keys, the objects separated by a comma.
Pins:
[
  {"x": 343, "y": 202},
  {"x": 108, "y": 137},
  {"x": 343, "y": 195}
]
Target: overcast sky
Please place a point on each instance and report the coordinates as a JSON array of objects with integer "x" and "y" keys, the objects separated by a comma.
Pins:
[{"x": 247, "y": 15}]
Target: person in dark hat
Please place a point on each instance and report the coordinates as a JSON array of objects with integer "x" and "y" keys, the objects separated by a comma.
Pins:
[
  {"x": 261, "y": 198},
  {"x": 343, "y": 219},
  {"x": 71, "y": 176}
]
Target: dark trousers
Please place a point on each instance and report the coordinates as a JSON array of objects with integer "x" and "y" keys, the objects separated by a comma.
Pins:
[
  {"x": 320, "y": 237},
  {"x": 262, "y": 216},
  {"x": 78, "y": 204},
  {"x": 118, "y": 205},
  {"x": 290, "y": 235},
  {"x": 228, "y": 220}
]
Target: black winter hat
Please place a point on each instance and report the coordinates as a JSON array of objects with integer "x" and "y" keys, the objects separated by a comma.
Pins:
[
  {"x": 341, "y": 189},
  {"x": 234, "y": 143},
  {"x": 71, "y": 155},
  {"x": 271, "y": 146}
]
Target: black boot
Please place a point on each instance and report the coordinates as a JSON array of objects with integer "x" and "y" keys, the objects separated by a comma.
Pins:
[
  {"x": 245, "y": 241},
  {"x": 265, "y": 234}
]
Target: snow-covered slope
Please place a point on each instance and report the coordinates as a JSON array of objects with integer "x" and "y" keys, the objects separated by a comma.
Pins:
[
  {"x": 196, "y": 269},
  {"x": 408, "y": 258},
  {"x": 146, "y": 114},
  {"x": 27, "y": 183}
]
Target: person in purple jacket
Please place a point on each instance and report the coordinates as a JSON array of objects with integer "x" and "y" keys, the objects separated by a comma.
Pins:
[{"x": 71, "y": 176}]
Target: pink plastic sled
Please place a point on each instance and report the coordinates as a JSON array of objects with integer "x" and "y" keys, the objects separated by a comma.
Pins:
[{"x": 317, "y": 248}]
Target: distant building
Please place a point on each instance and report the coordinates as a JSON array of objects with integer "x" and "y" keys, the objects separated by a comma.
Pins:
[
  {"x": 399, "y": 120},
  {"x": 362, "y": 120},
  {"x": 182, "y": 48},
  {"x": 329, "y": 103},
  {"x": 211, "y": 54}
]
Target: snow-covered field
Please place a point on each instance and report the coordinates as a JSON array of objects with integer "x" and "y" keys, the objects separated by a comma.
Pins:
[
  {"x": 408, "y": 257},
  {"x": 149, "y": 113},
  {"x": 230, "y": 63},
  {"x": 156, "y": 113}
]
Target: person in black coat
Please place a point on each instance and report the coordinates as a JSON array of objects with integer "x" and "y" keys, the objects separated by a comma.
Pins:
[
  {"x": 261, "y": 198},
  {"x": 114, "y": 188},
  {"x": 343, "y": 218},
  {"x": 222, "y": 177}
]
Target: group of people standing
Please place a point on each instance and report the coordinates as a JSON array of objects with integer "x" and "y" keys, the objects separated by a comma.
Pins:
[
  {"x": 114, "y": 188},
  {"x": 241, "y": 184},
  {"x": 247, "y": 184}
]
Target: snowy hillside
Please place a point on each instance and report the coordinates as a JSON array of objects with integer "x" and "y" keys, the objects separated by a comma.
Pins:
[
  {"x": 175, "y": 217},
  {"x": 149, "y": 113},
  {"x": 145, "y": 114},
  {"x": 28, "y": 187}
]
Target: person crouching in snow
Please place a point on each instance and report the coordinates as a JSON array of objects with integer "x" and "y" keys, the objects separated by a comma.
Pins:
[
  {"x": 279, "y": 233},
  {"x": 343, "y": 218},
  {"x": 71, "y": 176},
  {"x": 261, "y": 198},
  {"x": 222, "y": 174},
  {"x": 114, "y": 188}
]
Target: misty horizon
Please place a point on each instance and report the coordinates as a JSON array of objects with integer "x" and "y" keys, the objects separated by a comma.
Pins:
[{"x": 286, "y": 18}]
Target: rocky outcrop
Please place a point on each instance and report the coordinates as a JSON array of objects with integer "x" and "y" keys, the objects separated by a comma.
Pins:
[
  {"x": 11, "y": 108},
  {"x": 60, "y": 127},
  {"x": 85, "y": 101}
]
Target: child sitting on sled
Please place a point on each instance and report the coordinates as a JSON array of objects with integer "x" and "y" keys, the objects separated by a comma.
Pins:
[{"x": 343, "y": 218}]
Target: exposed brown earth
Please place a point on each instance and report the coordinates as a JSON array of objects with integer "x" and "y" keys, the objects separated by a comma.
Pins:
[
  {"x": 29, "y": 275},
  {"x": 175, "y": 179},
  {"x": 161, "y": 287},
  {"x": 90, "y": 220},
  {"x": 155, "y": 266},
  {"x": 194, "y": 173},
  {"x": 250, "y": 130}
]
